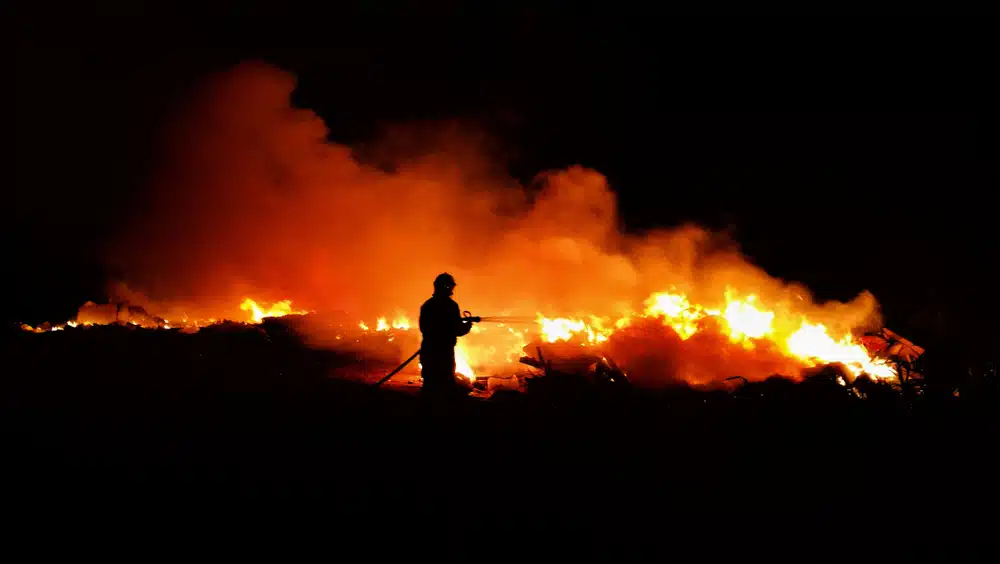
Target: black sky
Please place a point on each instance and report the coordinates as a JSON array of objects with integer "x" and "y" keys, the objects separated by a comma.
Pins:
[{"x": 898, "y": 201}]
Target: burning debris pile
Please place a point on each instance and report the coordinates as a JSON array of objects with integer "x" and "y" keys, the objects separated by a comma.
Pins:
[
  {"x": 663, "y": 336},
  {"x": 91, "y": 313},
  {"x": 272, "y": 209}
]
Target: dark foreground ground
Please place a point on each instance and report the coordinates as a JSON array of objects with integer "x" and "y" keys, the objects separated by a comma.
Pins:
[{"x": 236, "y": 443}]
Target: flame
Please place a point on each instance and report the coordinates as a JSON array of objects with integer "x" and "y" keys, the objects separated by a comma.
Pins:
[
  {"x": 462, "y": 362},
  {"x": 812, "y": 344},
  {"x": 682, "y": 315},
  {"x": 564, "y": 329},
  {"x": 560, "y": 329},
  {"x": 278, "y": 309},
  {"x": 400, "y": 323},
  {"x": 745, "y": 321},
  {"x": 241, "y": 151}
]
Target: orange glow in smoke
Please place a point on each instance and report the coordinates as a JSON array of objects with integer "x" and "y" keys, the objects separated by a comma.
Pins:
[{"x": 257, "y": 201}]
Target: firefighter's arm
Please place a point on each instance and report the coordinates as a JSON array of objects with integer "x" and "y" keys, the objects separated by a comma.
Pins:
[{"x": 464, "y": 326}]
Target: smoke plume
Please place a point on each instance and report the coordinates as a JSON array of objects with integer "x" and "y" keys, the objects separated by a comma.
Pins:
[{"x": 251, "y": 199}]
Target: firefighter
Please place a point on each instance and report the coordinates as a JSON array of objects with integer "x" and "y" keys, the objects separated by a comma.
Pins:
[{"x": 441, "y": 324}]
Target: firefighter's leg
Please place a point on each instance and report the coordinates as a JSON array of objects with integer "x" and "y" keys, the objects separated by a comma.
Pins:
[{"x": 435, "y": 366}]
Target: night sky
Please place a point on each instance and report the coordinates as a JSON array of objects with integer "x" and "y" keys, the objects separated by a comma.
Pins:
[{"x": 897, "y": 201}]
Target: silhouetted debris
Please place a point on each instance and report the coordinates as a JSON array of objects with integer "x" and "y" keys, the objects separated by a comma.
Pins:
[
  {"x": 902, "y": 353},
  {"x": 568, "y": 369}
]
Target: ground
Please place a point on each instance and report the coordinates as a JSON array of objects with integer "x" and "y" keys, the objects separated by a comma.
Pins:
[{"x": 150, "y": 441}]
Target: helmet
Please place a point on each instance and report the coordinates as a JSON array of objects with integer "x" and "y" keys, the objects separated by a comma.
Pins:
[{"x": 444, "y": 281}]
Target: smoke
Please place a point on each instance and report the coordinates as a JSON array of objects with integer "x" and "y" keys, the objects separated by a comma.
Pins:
[{"x": 251, "y": 199}]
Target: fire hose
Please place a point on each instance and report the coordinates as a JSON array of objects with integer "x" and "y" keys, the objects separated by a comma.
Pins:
[
  {"x": 398, "y": 368},
  {"x": 508, "y": 319},
  {"x": 467, "y": 317}
]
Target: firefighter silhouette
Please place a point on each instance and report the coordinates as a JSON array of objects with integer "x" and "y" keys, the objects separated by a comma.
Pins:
[{"x": 441, "y": 324}]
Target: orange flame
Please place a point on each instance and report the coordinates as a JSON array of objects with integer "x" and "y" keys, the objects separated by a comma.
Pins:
[
  {"x": 278, "y": 309},
  {"x": 462, "y": 362},
  {"x": 241, "y": 151},
  {"x": 744, "y": 321}
]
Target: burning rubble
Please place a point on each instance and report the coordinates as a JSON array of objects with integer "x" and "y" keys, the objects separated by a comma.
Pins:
[
  {"x": 255, "y": 214},
  {"x": 665, "y": 336}
]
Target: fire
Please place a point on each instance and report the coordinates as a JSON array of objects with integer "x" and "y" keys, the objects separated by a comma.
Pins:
[
  {"x": 278, "y": 309},
  {"x": 744, "y": 321},
  {"x": 91, "y": 314},
  {"x": 462, "y": 362},
  {"x": 560, "y": 329},
  {"x": 400, "y": 323},
  {"x": 554, "y": 251},
  {"x": 812, "y": 344},
  {"x": 681, "y": 314},
  {"x": 563, "y": 329}
]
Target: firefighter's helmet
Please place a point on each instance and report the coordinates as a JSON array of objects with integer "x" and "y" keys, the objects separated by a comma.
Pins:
[{"x": 444, "y": 281}]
